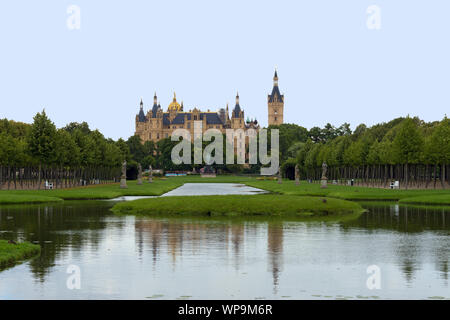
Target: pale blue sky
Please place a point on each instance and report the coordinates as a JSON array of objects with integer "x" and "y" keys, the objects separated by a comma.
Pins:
[{"x": 332, "y": 68}]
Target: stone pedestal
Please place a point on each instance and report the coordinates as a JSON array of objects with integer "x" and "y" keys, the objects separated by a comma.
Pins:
[
  {"x": 208, "y": 172},
  {"x": 297, "y": 181},
  {"x": 123, "y": 183},
  {"x": 139, "y": 182},
  {"x": 208, "y": 175},
  {"x": 123, "y": 178},
  {"x": 323, "y": 183}
]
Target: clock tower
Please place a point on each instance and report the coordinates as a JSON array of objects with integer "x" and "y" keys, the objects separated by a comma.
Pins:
[{"x": 275, "y": 102}]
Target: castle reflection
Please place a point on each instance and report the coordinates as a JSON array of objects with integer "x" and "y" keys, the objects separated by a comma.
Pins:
[{"x": 227, "y": 238}]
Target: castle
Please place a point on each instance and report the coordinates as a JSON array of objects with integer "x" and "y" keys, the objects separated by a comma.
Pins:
[{"x": 157, "y": 124}]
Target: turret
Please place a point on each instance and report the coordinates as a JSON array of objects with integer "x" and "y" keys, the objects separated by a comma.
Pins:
[{"x": 275, "y": 102}]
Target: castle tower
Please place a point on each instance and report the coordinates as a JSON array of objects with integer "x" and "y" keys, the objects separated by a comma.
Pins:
[
  {"x": 275, "y": 102},
  {"x": 155, "y": 106},
  {"x": 141, "y": 115},
  {"x": 237, "y": 115}
]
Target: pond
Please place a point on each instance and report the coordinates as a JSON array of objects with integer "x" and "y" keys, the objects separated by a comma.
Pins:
[{"x": 127, "y": 257}]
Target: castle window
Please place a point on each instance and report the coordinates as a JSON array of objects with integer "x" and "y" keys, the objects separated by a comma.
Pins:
[
  {"x": 189, "y": 125},
  {"x": 167, "y": 135},
  {"x": 157, "y": 136},
  {"x": 275, "y": 118},
  {"x": 150, "y": 135}
]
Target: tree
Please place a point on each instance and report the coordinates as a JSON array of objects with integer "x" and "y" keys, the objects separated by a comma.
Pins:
[
  {"x": 41, "y": 140},
  {"x": 438, "y": 146},
  {"x": 136, "y": 148},
  {"x": 408, "y": 144}
]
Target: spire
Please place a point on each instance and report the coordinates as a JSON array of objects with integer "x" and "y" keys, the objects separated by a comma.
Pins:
[
  {"x": 174, "y": 97},
  {"x": 155, "y": 106},
  {"x": 141, "y": 115},
  {"x": 237, "y": 108},
  {"x": 275, "y": 96}
]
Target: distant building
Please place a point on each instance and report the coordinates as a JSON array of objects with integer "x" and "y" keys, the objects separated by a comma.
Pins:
[
  {"x": 275, "y": 102},
  {"x": 157, "y": 124}
]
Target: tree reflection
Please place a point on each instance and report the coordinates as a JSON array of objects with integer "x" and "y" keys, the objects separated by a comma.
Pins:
[
  {"x": 55, "y": 228},
  {"x": 275, "y": 251}
]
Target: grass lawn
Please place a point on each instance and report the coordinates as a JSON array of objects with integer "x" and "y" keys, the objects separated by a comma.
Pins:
[
  {"x": 437, "y": 199},
  {"x": 269, "y": 205},
  {"x": 103, "y": 191},
  {"x": 11, "y": 254},
  {"x": 160, "y": 186},
  {"x": 341, "y": 192},
  {"x": 7, "y": 198}
]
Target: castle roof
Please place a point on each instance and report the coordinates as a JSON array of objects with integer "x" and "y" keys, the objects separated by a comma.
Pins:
[
  {"x": 211, "y": 118},
  {"x": 237, "y": 107},
  {"x": 174, "y": 105},
  {"x": 276, "y": 95},
  {"x": 141, "y": 115},
  {"x": 154, "y": 110}
]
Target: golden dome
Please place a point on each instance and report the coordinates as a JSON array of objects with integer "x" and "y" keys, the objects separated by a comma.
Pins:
[{"x": 174, "y": 106}]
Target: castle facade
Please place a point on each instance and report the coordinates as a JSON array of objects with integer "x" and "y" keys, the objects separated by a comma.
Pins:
[{"x": 157, "y": 124}]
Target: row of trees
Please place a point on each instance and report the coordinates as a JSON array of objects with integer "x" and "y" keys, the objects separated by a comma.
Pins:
[
  {"x": 407, "y": 149},
  {"x": 70, "y": 156},
  {"x": 410, "y": 150}
]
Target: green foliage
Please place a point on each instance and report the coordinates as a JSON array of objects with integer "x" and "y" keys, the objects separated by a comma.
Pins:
[
  {"x": 41, "y": 140},
  {"x": 438, "y": 144},
  {"x": 400, "y": 141},
  {"x": 11, "y": 254},
  {"x": 408, "y": 143},
  {"x": 74, "y": 145}
]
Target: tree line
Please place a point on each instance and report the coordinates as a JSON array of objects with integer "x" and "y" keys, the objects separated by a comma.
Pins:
[
  {"x": 409, "y": 150},
  {"x": 33, "y": 154}
]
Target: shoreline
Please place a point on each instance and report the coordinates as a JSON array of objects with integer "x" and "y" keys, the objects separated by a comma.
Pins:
[{"x": 288, "y": 187}]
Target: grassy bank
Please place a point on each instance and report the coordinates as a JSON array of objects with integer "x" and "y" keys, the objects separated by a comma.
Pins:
[
  {"x": 438, "y": 199},
  {"x": 105, "y": 191},
  {"x": 160, "y": 186},
  {"x": 341, "y": 192},
  {"x": 246, "y": 205},
  {"x": 6, "y": 198},
  {"x": 10, "y": 254}
]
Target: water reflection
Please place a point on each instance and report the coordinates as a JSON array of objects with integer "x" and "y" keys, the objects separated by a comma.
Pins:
[
  {"x": 56, "y": 228},
  {"x": 403, "y": 218},
  {"x": 226, "y": 258}
]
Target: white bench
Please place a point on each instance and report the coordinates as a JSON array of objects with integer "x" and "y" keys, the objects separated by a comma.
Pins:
[
  {"x": 48, "y": 185},
  {"x": 395, "y": 185}
]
